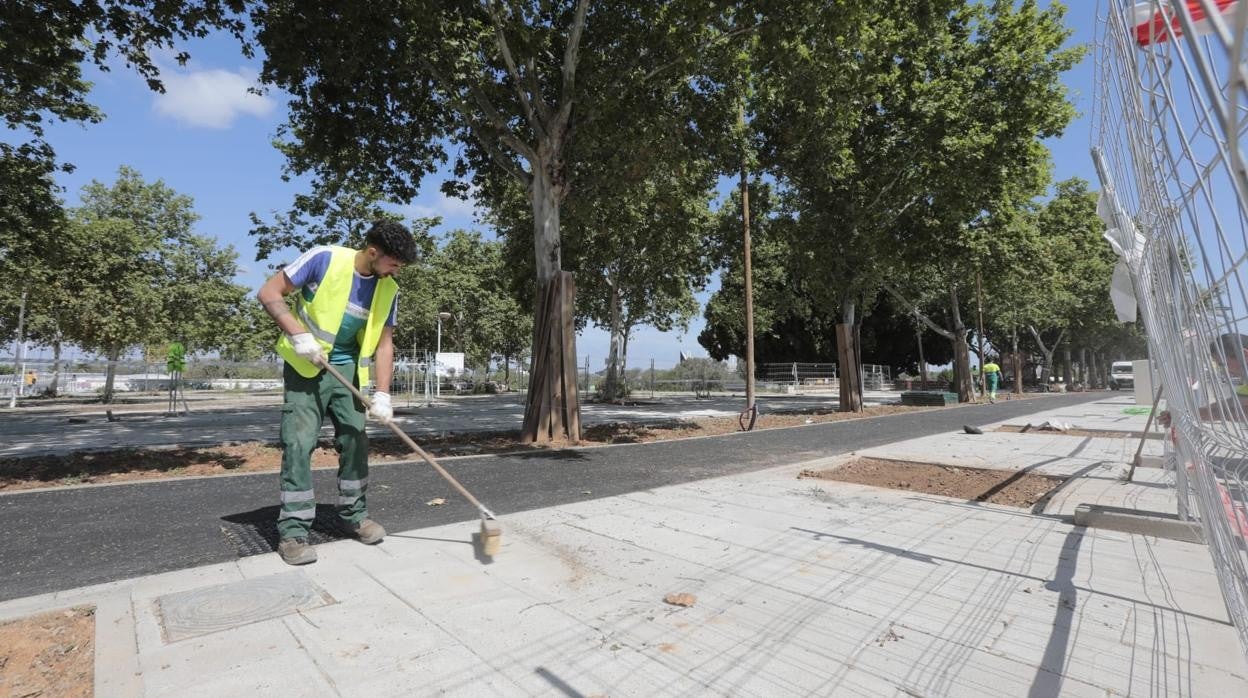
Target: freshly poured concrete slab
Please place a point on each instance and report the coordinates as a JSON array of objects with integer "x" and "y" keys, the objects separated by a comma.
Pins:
[
  {"x": 804, "y": 587},
  {"x": 221, "y": 607}
]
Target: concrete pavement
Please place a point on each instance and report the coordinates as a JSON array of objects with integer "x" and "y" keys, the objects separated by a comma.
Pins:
[
  {"x": 804, "y": 587},
  {"x": 98, "y": 533}
]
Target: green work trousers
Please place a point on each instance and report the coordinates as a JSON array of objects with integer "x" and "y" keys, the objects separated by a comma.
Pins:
[
  {"x": 992, "y": 378},
  {"x": 306, "y": 403}
]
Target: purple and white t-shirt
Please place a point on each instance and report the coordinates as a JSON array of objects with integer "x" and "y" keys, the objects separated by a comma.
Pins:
[{"x": 306, "y": 273}]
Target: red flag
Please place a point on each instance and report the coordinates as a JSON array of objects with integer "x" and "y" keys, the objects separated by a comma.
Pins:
[{"x": 1151, "y": 21}]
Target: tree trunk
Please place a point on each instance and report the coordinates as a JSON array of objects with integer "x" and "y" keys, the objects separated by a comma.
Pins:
[
  {"x": 847, "y": 354},
  {"x": 961, "y": 351},
  {"x": 979, "y": 332},
  {"x": 611, "y": 386},
  {"x": 552, "y": 408},
  {"x": 18, "y": 351},
  {"x": 1067, "y": 375},
  {"x": 1018, "y": 363},
  {"x": 545, "y": 198},
  {"x": 1083, "y": 368},
  {"x": 507, "y": 371},
  {"x": 54, "y": 385},
  {"x": 624, "y": 363},
  {"x": 1046, "y": 370},
  {"x": 110, "y": 374},
  {"x": 918, "y": 333}
]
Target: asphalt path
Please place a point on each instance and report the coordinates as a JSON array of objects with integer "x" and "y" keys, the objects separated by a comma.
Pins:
[
  {"x": 68, "y": 429},
  {"x": 66, "y": 538}
]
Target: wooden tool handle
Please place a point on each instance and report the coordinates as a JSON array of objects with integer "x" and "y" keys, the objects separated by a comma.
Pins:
[{"x": 410, "y": 443}]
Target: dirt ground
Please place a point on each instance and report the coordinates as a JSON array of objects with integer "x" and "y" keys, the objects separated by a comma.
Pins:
[
  {"x": 1097, "y": 433},
  {"x": 95, "y": 467},
  {"x": 1007, "y": 487},
  {"x": 51, "y": 654}
]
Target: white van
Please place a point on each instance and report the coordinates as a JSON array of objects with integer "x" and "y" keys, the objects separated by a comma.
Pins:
[{"x": 1121, "y": 376}]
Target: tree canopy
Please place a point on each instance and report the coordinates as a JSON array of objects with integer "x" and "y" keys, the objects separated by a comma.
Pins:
[{"x": 132, "y": 272}]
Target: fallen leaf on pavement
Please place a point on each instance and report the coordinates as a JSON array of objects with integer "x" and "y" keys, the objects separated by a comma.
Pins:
[
  {"x": 681, "y": 599},
  {"x": 436, "y": 502}
]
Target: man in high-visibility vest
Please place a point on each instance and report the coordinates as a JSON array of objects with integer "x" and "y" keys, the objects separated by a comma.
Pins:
[
  {"x": 992, "y": 376},
  {"x": 346, "y": 308}
]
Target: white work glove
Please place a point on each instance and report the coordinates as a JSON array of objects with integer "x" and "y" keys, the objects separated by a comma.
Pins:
[
  {"x": 308, "y": 348},
  {"x": 382, "y": 411}
]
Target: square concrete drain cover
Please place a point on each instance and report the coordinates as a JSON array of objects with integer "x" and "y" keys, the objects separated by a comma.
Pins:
[{"x": 224, "y": 606}]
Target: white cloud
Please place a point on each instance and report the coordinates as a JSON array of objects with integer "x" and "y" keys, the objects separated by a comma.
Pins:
[
  {"x": 451, "y": 209},
  {"x": 210, "y": 98}
]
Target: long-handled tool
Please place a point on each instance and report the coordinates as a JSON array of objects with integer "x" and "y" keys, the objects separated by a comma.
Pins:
[{"x": 491, "y": 533}]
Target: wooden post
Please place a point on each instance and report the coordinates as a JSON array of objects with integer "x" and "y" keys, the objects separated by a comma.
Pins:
[
  {"x": 979, "y": 296},
  {"x": 749, "y": 291}
]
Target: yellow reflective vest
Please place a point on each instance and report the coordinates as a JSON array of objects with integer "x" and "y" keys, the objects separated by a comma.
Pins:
[{"x": 323, "y": 315}]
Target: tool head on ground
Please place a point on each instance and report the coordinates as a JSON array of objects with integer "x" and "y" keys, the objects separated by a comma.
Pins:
[
  {"x": 971, "y": 430},
  {"x": 491, "y": 537},
  {"x": 491, "y": 533}
]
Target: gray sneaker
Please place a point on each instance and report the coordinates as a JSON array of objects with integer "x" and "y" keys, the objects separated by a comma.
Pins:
[
  {"x": 367, "y": 531},
  {"x": 296, "y": 551}
]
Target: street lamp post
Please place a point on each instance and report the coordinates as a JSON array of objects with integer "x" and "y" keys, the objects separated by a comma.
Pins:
[{"x": 437, "y": 357}]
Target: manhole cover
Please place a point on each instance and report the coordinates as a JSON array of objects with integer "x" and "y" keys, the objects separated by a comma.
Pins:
[
  {"x": 255, "y": 532},
  {"x": 224, "y": 606}
]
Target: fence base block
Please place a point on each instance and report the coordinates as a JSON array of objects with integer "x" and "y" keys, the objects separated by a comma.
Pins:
[{"x": 1147, "y": 523}]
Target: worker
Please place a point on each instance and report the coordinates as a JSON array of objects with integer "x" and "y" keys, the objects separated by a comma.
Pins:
[
  {"x": 347, "y": 304},
  {"x": 992, "y": 377}
]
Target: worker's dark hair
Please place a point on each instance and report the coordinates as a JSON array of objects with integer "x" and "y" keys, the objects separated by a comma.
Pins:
[
  {"x": 393, "y": 240},
  {"x": 1232, "y": 344}
]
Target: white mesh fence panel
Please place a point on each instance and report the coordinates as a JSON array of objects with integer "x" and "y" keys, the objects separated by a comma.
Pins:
[{"x": 1169, "y": 131}]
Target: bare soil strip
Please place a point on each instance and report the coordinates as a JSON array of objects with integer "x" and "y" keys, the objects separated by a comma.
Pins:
[
  {"x": 1009, "y": 487},
  {"x": 51, "y": 654}
]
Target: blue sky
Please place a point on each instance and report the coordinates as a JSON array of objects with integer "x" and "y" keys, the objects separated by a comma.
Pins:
[{"x": 209, "y": 138}]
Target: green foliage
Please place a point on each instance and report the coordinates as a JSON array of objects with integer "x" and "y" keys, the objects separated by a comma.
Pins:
[
  {"x": 842, "y": 142},
  {"x": 46, "y": 43},
  {"x": 175, "y": 360},
  {"x": 790, "y": 324},
  {"x": 472, "y": 287},
  {"x": 536, "y": 94},
  {"x": 697, "y": 368},
  {"x": 131, "y": 271},
  {"x": 247, "y": 333},
  {"x": 994, "y": 91},
  {"x": 467, "y": 278},
  {"x": 334, "y": 213}
]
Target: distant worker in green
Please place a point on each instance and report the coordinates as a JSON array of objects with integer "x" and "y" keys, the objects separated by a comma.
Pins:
[{"x": 992, "y": 377}]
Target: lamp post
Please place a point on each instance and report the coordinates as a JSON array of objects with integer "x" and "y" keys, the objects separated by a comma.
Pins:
[{"x": 437, "y": 357}]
